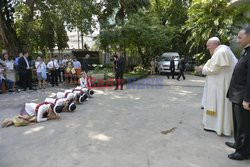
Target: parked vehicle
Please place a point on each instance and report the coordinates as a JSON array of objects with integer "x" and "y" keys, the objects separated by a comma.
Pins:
[{"x": 163, "y": 64}]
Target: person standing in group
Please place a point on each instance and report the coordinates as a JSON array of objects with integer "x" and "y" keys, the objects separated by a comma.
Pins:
[
  {"x": 41, "y": 72},
  {"x": 119, "y": 68},
  {"x": 152, "y": 63},
  {"x": 4, "y": 80},
  {"x": 53, "y": 67},
  {"x": 172, "y": 67},
  {"x": 60, "y": 69},
  {"x": 17, "y": 70},
  {"x": 86, "y": 64},
  {"x": 239, "y": 95},
  {"x": 182, "y": 68},
  {"x": 78, "y": 68},
  {"x": 10, "y": 71},
  {"x": 217, "y": 114},
  {"x": 24, "y": 68}
]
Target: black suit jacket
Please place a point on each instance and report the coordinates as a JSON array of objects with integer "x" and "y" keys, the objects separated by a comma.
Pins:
[
  {"x": 119, "y": 65},
  {"x": 182, "y": 64},
  {"x": 22, "y": 65},
  {"x": 172, "y": 64},
  {"x": 239, "y": 88}
]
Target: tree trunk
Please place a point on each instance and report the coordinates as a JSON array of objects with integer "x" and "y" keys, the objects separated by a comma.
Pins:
[{"x": 9, "y": 37}]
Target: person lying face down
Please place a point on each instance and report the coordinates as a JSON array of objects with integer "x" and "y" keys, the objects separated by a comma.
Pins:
[
  {"x": 61, "y": 104},
  {"x": 89, "y": 92},
  {"x": 79, "y": 95},
  {"x": 43, "y": 111},
  {"x": 31, "y": 113},
  {"x": 69, "y": 96}
]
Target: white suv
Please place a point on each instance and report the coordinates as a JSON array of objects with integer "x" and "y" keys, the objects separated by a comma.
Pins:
[{"x": 163, "y": 65}]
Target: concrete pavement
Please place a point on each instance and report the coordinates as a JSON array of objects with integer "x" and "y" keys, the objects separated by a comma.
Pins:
[{"x": 129, "y": 128}]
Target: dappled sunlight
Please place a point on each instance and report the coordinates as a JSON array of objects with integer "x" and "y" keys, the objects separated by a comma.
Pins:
[
  {"x": 185, "y": 91},
  {"x": 116, "y": 97},
  {"x": 134, "y": 98},
  {"x": 193, "y": 165},
  {"x": 172, "y": 99},
  {"x": 34, "y": 100},
  {"x": 32, "y": 130},
  {"x": 199, "y": 81},
  {"x": 100, "y": 137},
  {"x": 100, "y": 92}
]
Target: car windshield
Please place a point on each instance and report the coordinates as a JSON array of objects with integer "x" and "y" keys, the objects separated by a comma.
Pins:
[{"x": 165, "y": 58}]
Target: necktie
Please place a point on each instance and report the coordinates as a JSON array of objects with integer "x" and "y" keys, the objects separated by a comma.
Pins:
[{"x": 53, "y": 64}]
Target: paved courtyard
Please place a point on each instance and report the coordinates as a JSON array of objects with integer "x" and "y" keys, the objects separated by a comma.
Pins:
[{"x": 129, "y": 128}]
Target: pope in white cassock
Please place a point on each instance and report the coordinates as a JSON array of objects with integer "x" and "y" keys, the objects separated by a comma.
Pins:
[{"x": 218, "y": 69}]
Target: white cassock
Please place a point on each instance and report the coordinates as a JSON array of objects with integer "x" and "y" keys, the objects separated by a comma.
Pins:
[{"x": 217, "y": 114}]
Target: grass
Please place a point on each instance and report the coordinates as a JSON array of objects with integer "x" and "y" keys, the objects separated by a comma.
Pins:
[{"x": 111, "y": 75}]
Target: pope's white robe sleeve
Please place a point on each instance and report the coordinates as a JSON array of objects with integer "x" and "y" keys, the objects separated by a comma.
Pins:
[
  {"x": 220, "y": 59},
  {"x": 210, "y": 69}
]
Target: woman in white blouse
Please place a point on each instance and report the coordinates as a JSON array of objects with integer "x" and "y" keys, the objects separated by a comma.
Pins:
[{"x": 41, "y": 72}]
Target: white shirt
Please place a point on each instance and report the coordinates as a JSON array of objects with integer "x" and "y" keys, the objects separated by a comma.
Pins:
[
  {"x": 1, "y": 73},
  {"x": 50, "y": 65},
  {"x": 39, "y": 67},
  {"x": 31, "y": 107},
  {"x": 77, "y": 64},
  {"x": 83, "y": 82},
  {"x": 9, "y": 64},
  {"x": 56, "y": 102},
  {"x": 27, "y": 62},
  {"x": 64, "y": 61},
  {"x": 70, "y": 96}
]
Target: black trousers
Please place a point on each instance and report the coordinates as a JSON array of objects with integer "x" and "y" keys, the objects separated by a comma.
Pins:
[
  {"x": 59, "y": 74},
  {"x": 53, "y": 77},
  {"x": 172, "y": 72},
  {"x": 241, "y": 120},
  {"x": 26, "y": 79},
  {"x": 181, "y": 74},
  {"x": 119, "y": 79}
]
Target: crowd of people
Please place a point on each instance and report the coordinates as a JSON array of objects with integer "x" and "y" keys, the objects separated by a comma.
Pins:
[
  {"x": 226, "y": 96},
  {"x": 51, "y": 107},
  {"x": 17, "y": 74}
]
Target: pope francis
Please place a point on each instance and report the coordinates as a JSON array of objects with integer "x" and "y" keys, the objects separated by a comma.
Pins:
[{"x": 218, "y": 69}]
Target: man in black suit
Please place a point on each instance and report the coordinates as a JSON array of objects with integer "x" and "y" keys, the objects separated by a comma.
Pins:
[
  {"x": 172, "y": 67},
  {"x": 182, "y": 67},
  {"x": 86, "y": 64},
  {"x": 24, "y": 68},
  {"x": 119, "y": 68},
  {"x": 239, "y": 95}
]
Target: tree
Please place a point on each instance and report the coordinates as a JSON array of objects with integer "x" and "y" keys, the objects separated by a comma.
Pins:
[
  {"x": 210, "y": 18},
  {"x": 7, "y": 32},
  {"x": 143, "y": 33},
  {"x": 36, "y": 23}
]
